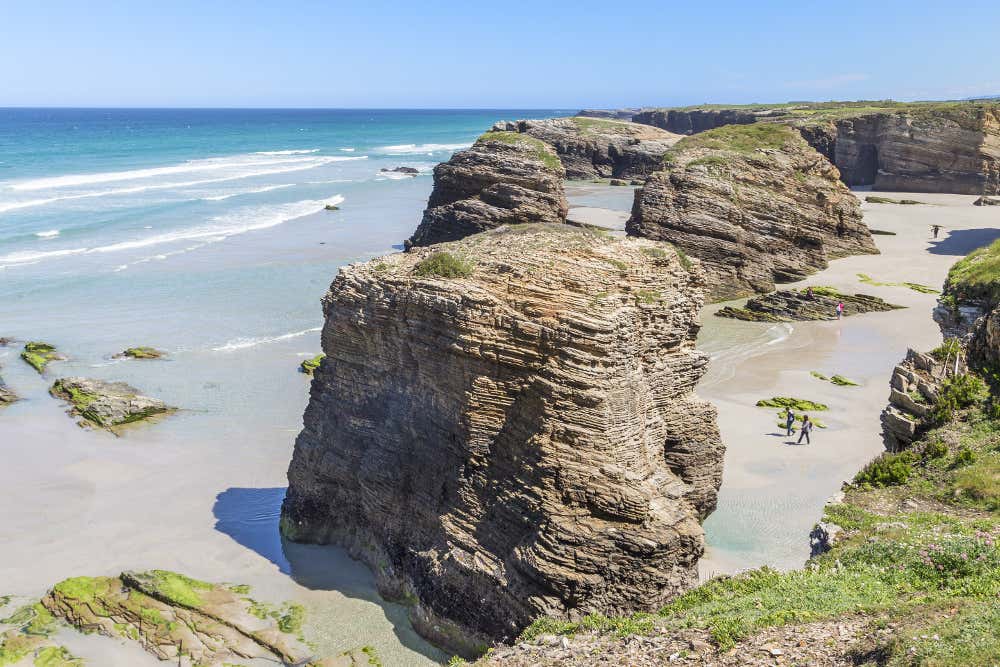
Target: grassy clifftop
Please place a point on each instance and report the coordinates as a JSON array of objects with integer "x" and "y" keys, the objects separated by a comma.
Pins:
[{"x": 976, "y": 276}]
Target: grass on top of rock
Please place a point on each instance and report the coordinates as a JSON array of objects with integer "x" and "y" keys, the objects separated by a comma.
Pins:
[
  {"x": 38, "y": 355},
  {"x": 742, "y": 139},
  {"x": 541, "y": 150},
  {"x": 443, "y": 265},
  {"x": 977, "y": 275},
  {"x": 792, "y": 403}
]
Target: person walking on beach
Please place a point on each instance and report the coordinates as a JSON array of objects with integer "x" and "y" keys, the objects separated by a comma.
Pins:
[
  {"x": 789, "y": 420},
  {"x": 840, "y": 309},
  {"x": 807, "y": 427},
  {"x": 935, "y": 229}
]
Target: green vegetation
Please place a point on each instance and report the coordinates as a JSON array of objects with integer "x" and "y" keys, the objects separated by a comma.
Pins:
[
  {"x": 589, "y": 125},
  {"x": 793, "y": 403},
  {"x": 956, "y": 393},
  {"x": 83, "y": 589},
  {"x": 819, "y": 376},
  {"x": 840, "y": 380},
  {"x": 291, "y": 620},
  {"x": 39, "y": 355},
  {"x": 540, "y": 150},
  {"x": 647, "y": 296},
  {"x": 655, "y": 253},
  {"x": 873, "y": 199},
  {"x": 373, "y": 658},
  {"x": 683, "y": 259},
  {"x": 916, "y": 287},
  {"x": 310, "y": 365},
  {"x": 77, "y": 397},
  {"x": 177, "y": 588},
  {"x": 977, "y": 275},
  {"x": 741, "y": 139},
  {"x": 949, "y": 349},
  {"x": 444, "y": 265},
  {"x": 56, "y": 656}
]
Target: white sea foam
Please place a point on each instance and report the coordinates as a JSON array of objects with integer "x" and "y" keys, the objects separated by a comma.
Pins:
[
  {"x": 780, "y": 332},
  {"x": 310, "y": 163},
  {"x": 243, "y": 343},
  {"x": 237, "y": 162},
  {"x": 47, "y": 235},
  {"x": 347, "y": 150},
  {"x": 217, "y": 229},
  {"x": 252, "y": 191},
  {"x": 403, "y": 149}
]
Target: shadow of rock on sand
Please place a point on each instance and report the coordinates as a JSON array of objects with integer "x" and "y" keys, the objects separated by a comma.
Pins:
[
  {"x": 250, "y": 517},
  {"x": 960, "y": 242}
]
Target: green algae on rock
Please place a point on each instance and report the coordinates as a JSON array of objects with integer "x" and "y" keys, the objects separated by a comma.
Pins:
[
  {"x": 170, "y": 613},
  {"x": 788, "y": 402},
  {"x": 916, "y": 287},
  {"x": 107, "y": 404},
  {"x": 141, "y": 352},
  {"x": 309, "y": 366},
  {"x": 39, "y": 355},
  {"x": 798, "y": 305}
]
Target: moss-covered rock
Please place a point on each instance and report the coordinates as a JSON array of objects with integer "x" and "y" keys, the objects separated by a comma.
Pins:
[
  {"x": 309, "y": 366},
  {"x": 39, "y": 355},
  {"x": 793, "y": 403},
  {"x": 141, "y": 352},
  {"x": 816, "y": 303},
  {"x": 168, "y": 613},
  {"x": 107, "y": 404}
]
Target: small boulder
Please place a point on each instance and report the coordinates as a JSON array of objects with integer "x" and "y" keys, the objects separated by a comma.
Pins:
[
  {"x": 38, "y": 355},
  {"x": 140, "y": 353},
  {"x": 986, "y": 201},
  {"x": 331, "y": 207},
  {"x": 106, "y": 404},
  {"x": 618, "y": 182}
]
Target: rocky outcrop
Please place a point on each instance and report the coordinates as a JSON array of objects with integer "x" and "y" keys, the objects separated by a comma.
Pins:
[
  {"x": 755, "y": 203},
  {"x": 505, "y": 178},
  {"x": 913, "y": 389},
  {"x": 692, "y": 121},
  {"x": 109, "y": 405},
  {"x": 610, "y": 114},
  {"x": 986, "y": 201},
  {"x": 172, "y": 615},
  {"x": 521, "y": 439},
  {"x": 919, "y": 148},
  {"x": 793, "y": 305},
  {"x": 600, "y": 148},
  {"x": 7, "y": 395},
  {"x": 39, "y": 355}
]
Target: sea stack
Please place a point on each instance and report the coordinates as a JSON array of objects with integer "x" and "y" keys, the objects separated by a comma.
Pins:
[
  {"x": 506, "y": 427},
  {"x": 755, "y": 203},
  {"x": 505, "y": 178}
]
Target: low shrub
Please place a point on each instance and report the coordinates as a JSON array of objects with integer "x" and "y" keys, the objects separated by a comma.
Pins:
[
  {"x": 444, "y": 265},
  {"x": 887, "y": 470}
]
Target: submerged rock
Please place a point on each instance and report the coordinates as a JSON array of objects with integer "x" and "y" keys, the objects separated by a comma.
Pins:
[
  {"x": 40, "y": 355},
  {"x": 402, "y": 170},
  {"x": 755, "y": 203},
  {"x": 792, "y": 305},
  {"x": 107, "y": 404},
  {"x": 522, "y": 438},
  {"x": 505, "y": 178},
  {"x": 170, "y": 615},
  {"x": 140, "y": 353}
]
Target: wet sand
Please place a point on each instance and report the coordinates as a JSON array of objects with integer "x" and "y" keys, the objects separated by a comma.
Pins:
[{"x": 773, "y": 490}]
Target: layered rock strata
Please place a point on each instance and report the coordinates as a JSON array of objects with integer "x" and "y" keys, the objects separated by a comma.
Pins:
[
  {"x": 518, "y": 440},
  {"x": 913, "y": 389},
  {"x": 600, "y": 148},
  {"x": 945, "y": 148},
  {"x": 800, "y": 305},
  {"x": 505, "y": 178},
  {"x": 692, "y": 121},
  {"x": 755, "y": 203}
]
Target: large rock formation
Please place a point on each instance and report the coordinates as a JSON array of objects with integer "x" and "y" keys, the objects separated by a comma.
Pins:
[
  {"x": 807, "y": 304},
  {"x": 939, "y": 148},
  {"x": 600, "y": 148},
  {"x": 505, "y": 178},
  {"x": 755, "y": 203},
  {"x": 692, "y": 121},
  {"x": 520, "y": 439}
]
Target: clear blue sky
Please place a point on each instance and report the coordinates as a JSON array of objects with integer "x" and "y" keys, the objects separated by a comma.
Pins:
[{"x": 507, "y": 53}]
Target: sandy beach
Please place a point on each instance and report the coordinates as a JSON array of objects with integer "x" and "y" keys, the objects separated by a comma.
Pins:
[{"x": 773, "y": 491}]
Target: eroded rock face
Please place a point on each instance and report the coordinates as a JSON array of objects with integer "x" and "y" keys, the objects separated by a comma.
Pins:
[
  {"x": 913, "y": 389},
  {"x": 756, "y": 204},
  {"x": 521, "y": 441},
  {"x": 939, "y": 149},
  {"x": 505, "y": 178},
  {"x": 681, "y": 121},
  {"x": 600, "y": 148}
]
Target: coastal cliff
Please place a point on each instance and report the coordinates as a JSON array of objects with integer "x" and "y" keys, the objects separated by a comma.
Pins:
[
  {"x": 600, "y": 148},
  {"x": 755, "y": 203},
  {"x": 506, "y": 427},
  {"x": 504, "y": 178},
  {"x": 900, "y": 147}
]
